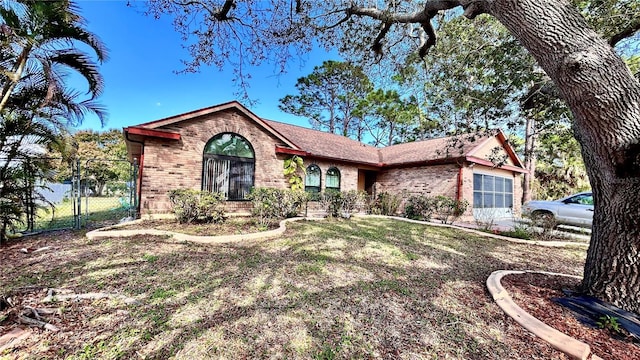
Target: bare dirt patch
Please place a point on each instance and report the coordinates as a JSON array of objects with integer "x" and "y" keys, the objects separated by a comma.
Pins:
[{"x": 534, "y": 293}]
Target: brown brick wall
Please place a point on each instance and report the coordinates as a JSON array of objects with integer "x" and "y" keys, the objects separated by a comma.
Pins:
[
  {"x": 171, "y": 164},
  {"x": 348, "y": 173},
  {"x": 430, "y": 180}
]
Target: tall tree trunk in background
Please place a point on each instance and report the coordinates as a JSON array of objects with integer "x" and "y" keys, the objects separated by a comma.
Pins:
[
  {"x": 530, "y": 138},
  {"x": 605, "y": 100}
]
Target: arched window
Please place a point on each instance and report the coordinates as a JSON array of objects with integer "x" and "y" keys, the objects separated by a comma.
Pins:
[
  {"x": 228, "y": 166},
  {"x": 312, "y": 180},
  {"x": 333, "y": 179}
]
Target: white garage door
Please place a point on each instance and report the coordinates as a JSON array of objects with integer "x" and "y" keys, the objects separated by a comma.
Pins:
[{"x": 492, "y": 196}]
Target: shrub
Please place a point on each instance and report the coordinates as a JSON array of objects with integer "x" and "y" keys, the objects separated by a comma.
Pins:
[
  {"x": 331, "y": 201},
  {"x": 385, "y": 204},
  {"x": 341, "y": 203},
  {"x": 352, "y": 200},
  {"x": 419, "y": 207},
  {"x": 270, "y": 204},
  {"x": 190, "y": 205},
  {"x": 448, "y": 209},
  {"x": 519, "y": 232}
]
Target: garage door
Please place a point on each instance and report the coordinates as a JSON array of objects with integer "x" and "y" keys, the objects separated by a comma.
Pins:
[{"x": 492, "y": 196}]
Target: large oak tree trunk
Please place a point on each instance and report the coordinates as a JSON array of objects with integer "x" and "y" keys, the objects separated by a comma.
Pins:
[{"x": 605, "y": 100}]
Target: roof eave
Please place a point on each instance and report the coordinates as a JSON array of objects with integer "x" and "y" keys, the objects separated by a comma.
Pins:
[
  {"x": 479, "y": 161},
  {"x": 145, "y": 132},
  {"x": 213, "y": 109}
]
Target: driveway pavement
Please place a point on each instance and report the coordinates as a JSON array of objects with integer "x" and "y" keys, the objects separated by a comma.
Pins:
[{"x": 510, "y": 223}]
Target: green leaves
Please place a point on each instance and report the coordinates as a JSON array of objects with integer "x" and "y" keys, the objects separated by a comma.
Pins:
[
  {"x": 293, "y": 166},
  {"x": 328, "y": 96}
]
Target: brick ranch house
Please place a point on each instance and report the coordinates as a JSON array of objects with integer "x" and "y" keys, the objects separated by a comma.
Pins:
[{"x": 229, "y": 149}]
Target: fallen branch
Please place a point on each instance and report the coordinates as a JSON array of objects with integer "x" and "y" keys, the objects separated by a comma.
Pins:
[
  {"x": 52, "y": 297},
  {"x": 33, "y": 250},
  {"x": 33, "y": 322}
]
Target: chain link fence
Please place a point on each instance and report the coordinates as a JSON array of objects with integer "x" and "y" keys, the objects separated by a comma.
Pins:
[{"x": 39, "y": 194}]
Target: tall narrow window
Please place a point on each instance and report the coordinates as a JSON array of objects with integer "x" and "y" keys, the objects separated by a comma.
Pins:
[
  {"x": 228, "y": 166},
  {"x": 333, "y": 179},
  {"x": 312, "y": 180}
]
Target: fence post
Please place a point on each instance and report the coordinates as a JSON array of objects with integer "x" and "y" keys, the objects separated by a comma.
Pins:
[{"x": 78, "y": 214}]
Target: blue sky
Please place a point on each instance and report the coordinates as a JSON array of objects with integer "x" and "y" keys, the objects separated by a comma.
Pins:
[{"x": 141, "y": 80}]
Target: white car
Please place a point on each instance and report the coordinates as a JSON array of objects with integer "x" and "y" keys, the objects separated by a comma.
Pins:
[{"x": 574, "y": 210}]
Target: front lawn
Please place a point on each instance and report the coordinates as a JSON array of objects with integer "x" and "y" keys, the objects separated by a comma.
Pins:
[{"x": 362, "y": 288}]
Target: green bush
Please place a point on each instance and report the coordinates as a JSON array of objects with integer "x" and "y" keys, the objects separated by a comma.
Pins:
[
  {"x": 352, "y": 200},
  {"x": 331, "y": 201},
  {"x": 197, "y": 206},
  {"x": 271, "y": 205},
  {"x": 448, "y": 209},
  {"x": 518, "y": 232},
  {"x": 385, "y": 204},
  {"x": 419, "y": 207},
  {"x": 341, "y": 203}
]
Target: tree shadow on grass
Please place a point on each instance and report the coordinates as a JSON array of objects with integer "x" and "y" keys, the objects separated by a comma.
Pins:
[{"x": 360, "y": 289}]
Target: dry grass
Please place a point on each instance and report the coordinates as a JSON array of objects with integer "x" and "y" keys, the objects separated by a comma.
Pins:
[{"x": 362, "y": 288}]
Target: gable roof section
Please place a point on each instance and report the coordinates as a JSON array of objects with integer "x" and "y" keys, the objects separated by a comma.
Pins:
[
  {"x": 448, "y": 150},
  {"x": 232, "y": 105}
]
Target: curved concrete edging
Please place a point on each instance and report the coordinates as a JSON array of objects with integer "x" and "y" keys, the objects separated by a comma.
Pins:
[
  {"x": 111, "y": 231},
  {"x": 574, "y": 348}
]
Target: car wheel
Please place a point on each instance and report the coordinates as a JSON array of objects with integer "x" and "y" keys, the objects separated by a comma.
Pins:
[{"x": 544, "y": 219}]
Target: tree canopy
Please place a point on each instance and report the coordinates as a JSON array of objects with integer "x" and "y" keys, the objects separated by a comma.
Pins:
[{"x": 328, "y": 96}]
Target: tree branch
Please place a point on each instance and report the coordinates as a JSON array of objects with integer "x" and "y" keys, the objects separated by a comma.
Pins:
[
  {"x": 377, "y": 43},
  {"x": 221, "y": 14},
  {"x": 431, "y": 38},
  {"x": 474, "y": 8},
  {"x": 224, "y": 11},
  {"x": 422, "y": 17},
  {"x": 628, "y": 32}
]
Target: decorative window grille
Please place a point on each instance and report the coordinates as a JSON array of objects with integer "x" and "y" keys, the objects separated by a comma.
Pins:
[
  {"x": 312, "y": 180},
  {"x": 333, "y": 179},
  {"x": 228, "y": 166}
]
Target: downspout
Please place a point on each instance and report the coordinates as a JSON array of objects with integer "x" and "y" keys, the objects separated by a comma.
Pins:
[
  {"x": 140, "y": 167},
  {"x": 459, "y": 189}
]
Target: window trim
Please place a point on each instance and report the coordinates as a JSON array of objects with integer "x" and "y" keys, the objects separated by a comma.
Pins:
[
  {"x": 309, "y": 188},
  {"x": 339, "y": 175},
  {"x": 493, "y": 192}
]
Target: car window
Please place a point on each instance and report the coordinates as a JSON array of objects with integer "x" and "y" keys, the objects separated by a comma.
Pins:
[{"x": 582, "y": 199}]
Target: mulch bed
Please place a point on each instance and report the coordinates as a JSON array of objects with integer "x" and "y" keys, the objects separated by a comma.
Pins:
[{"x": 534, "y": 293}]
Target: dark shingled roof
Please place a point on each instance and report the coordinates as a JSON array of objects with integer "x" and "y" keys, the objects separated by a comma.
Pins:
[
  {"x": 429, "y": 150},
  {"x": 327, "y": 145},
  {"x": 338, "y": 147}
]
